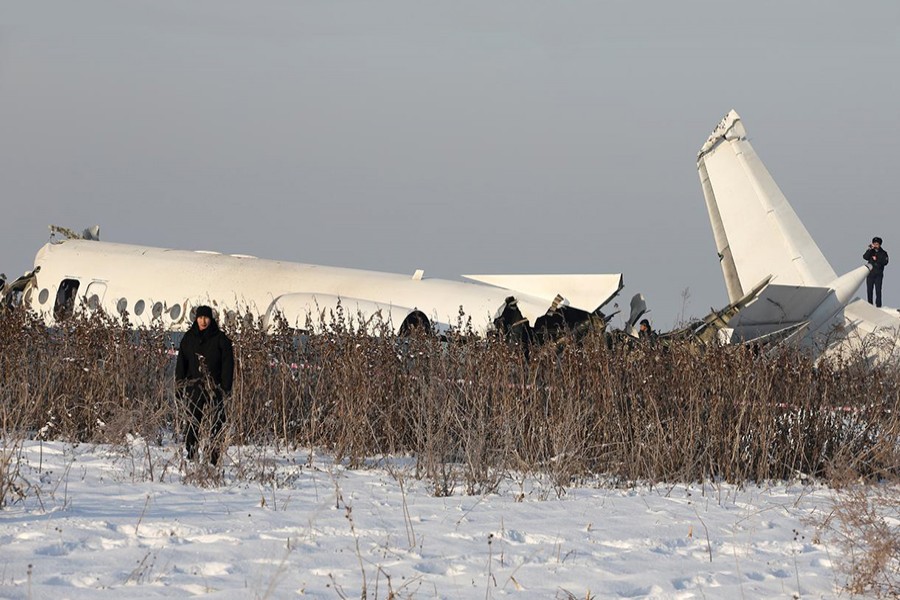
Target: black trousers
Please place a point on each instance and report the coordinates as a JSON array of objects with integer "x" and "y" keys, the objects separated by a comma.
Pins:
[
  {"x": 197, "y": 400},
  {"x": 873, "y": 281}
]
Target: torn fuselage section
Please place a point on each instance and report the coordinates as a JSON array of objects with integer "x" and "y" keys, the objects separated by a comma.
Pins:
[
  {"x": 512, "y": 324},
  {"x": 717, "y": 326},
  {"x": 16, "y": 293},
  {"x": 560, "y": 319}
]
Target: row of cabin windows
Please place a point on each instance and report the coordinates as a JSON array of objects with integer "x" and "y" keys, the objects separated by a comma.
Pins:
[
  {"x": 68, "y": 289},
  {"x": 64, "y": 306}
]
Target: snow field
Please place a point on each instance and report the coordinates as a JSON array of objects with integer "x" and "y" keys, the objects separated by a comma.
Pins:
[{"x": 94, "y": 526}]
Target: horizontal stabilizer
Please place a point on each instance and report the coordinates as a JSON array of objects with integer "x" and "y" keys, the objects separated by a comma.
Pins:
[
  {"x": 586, "y": 292},
  {"x": 777, "y": 307},
  {"x": 786, "y": 336}
]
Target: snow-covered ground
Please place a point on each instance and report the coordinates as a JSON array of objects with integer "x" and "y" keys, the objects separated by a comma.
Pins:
[{"x": 96, "y": 526}]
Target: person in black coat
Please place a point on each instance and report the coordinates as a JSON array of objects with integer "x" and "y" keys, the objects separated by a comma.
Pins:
[
  {"x": 646, "y": 332},
  {"x": 877, "y": 258},
  {"x": 204, "y": 373}
]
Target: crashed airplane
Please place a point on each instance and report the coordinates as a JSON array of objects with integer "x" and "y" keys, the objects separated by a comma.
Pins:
[
  {"x": 759, "y": 238},
  {"x": 163, "y": 286}
]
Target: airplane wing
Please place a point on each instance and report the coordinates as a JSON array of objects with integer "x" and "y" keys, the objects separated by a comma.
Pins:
[
  {"x": 757, "y": 232},
  {"x": 585, "y": 292}
]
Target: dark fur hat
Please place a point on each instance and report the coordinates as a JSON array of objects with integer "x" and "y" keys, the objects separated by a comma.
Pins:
[{"x": 204, "y": 311}]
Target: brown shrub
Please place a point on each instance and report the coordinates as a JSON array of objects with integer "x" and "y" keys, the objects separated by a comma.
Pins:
[
  {"x": 471, "y": 411},
  {"x": 865, "y": 524}
]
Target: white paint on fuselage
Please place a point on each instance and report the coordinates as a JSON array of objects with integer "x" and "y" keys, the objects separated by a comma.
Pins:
[{"x": 170, "y": 283}]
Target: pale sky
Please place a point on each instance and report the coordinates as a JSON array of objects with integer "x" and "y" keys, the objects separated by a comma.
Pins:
[{"x": 455, "y": 137}]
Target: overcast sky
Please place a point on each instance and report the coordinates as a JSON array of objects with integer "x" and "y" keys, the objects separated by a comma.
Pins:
[{"x": 456, "y": 137}]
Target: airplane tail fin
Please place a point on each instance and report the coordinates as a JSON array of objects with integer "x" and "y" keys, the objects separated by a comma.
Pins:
[{"x": 757, "y": 233}]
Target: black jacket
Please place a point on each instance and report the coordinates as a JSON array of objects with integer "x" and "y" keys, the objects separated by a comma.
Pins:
[
  {"x": 877, "y": 258},
  {"x": 218, "y": 356}
]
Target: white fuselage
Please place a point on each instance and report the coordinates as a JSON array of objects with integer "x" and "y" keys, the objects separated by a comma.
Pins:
[{"x": 165, "y": 285}]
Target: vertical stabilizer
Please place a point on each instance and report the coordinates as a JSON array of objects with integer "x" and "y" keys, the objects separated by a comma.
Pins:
[
  {"x": 732, "y": 282},
  {"x": 757, "y": 233}
]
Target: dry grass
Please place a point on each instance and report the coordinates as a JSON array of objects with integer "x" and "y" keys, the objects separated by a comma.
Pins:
[
  {"x": 865, "y": 524},
  {"x": 473, "y": 412}
]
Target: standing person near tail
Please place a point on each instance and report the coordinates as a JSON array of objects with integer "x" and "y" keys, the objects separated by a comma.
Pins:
[
  {"x": 204, "y": 373},
  {"x": 877, "y": 258}
]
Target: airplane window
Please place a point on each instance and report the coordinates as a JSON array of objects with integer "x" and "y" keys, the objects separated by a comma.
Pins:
[
  {"x": 65, "y": 299},
  {"x": 122, "y": 305},
  {"x": 175, "y": 312},
  {"x": 139, "y": 307},
  {"x": 94, "y": 302},
  {"x": 44, "y": 296},
  {"x": 157, "y": 310}
]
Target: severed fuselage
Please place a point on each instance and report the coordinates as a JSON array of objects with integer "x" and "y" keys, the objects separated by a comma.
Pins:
[{"x": 159, "y": 285}]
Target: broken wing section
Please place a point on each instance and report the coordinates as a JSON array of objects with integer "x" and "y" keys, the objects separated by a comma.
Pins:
[
  {"x": 757, "y": 233},
  {"x": 584, "y": 292},
  {"x": 707, "y": 330}
]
